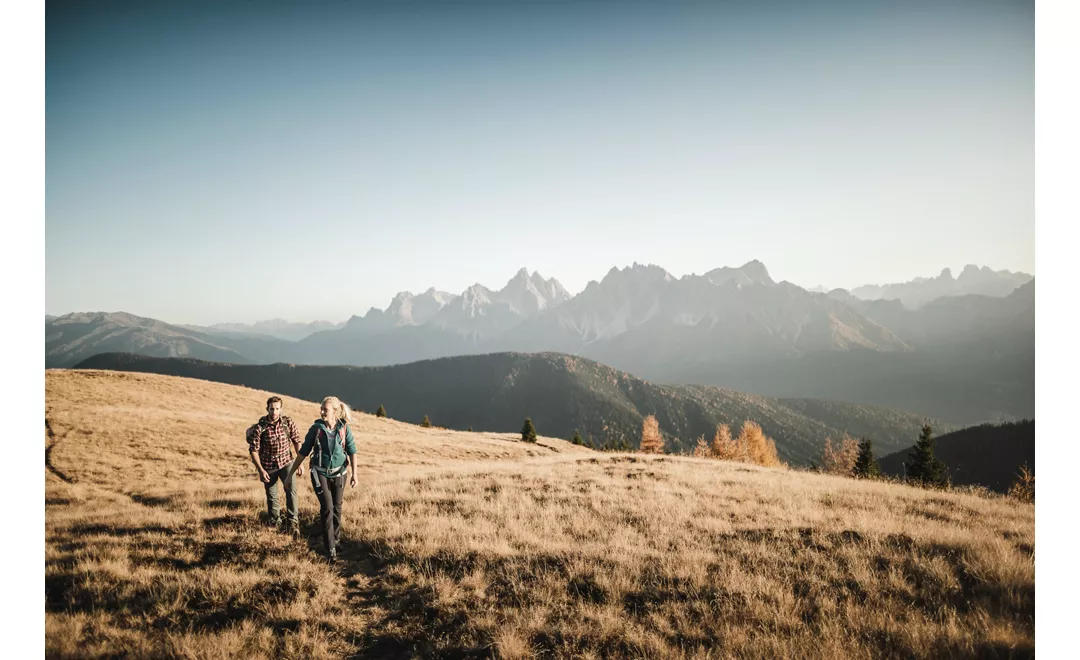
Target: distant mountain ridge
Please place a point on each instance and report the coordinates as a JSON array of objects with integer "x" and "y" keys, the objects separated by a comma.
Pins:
[
  {"x": 922, "y": 290},
  {"x": 953, "y": 319},
  {"x": 561, "y": 393},
  {"x": 726, "y": 311},
  {"x": 74, "y": 337},
  {"x": 965, "y": 359},
  {"x": 276, "y": 328}
]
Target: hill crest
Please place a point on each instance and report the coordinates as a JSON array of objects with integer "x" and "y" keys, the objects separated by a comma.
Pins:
[{"x": 561, "y": 393}]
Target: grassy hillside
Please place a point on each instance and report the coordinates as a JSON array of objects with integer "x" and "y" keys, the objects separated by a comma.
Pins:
[
  {"x": 478, "y": 545},
  {"x": 989, "y": 454},
  {"x": 560, "y": 393}
]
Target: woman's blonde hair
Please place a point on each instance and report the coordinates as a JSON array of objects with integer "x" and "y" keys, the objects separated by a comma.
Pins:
[{"x": 338, "y": 409}]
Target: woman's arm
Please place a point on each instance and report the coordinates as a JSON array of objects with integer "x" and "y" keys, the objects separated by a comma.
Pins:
[
  {"x": 303, "y": 452},
  {"x": 350, "y": 456}
]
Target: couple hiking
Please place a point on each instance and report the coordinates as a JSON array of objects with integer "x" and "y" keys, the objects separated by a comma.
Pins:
[{"x": 273, "y": 440}]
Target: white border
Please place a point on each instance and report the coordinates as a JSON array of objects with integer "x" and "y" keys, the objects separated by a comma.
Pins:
[
  {"x": 22, "y": 169},
  {"x": 22, "y": 271},
  {"x": 1056, "y": 445}
]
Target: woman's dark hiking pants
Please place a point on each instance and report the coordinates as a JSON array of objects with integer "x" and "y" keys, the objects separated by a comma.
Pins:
[{"x": 330, "y": 491}]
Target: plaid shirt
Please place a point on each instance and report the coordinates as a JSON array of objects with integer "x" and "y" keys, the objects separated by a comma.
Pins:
[{"x": 271, "y": 440}]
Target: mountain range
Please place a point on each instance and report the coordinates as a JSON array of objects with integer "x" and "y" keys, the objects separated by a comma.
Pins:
[
  {"x": 725, "y": 313},
  {"x": 922, "y": 290},
  {"x": 74, "y": 337},
  {"x": 275, "y": 328},
  {"x": 560, "y": 393},
  {"x": 963, "y": 358}
]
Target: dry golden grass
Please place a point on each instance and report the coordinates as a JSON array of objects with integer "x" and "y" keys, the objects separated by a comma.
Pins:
[{"x": 474, "y": 545}]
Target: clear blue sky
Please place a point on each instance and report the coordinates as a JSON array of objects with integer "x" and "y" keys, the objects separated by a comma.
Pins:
[{"x": 211, "y": 163}]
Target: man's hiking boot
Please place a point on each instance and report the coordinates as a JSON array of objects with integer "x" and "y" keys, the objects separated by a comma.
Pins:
[{"x": 293, "y": 529}]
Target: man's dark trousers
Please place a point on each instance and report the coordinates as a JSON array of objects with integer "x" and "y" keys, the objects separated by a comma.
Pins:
[{"x": 288, "y": 484}]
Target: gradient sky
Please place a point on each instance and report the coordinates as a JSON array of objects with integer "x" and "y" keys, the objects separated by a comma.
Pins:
[{"x": 209, "y": 163}]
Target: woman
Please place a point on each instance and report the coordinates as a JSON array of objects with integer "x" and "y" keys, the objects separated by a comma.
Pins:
[{"x": 332, "y": 447}]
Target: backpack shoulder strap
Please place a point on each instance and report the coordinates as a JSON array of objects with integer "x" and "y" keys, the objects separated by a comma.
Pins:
[{"x": 317, "y": 454}]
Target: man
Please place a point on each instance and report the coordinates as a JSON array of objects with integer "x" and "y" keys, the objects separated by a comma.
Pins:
[{"x": 273, "y": 441}]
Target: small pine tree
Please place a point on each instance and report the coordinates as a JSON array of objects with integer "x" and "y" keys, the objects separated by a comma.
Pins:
[
  {"x": 426, "y": 423},
  {"x": 381, "y": 412},
  {"x": 925, "y": 469},
  {"x": 651, "y": 440},
  {"x": 469, "y": 429},
  {"x": 577, "y": 439},
  {"x": 866, "y": 466},
  {"x": 528, "y": 432}
]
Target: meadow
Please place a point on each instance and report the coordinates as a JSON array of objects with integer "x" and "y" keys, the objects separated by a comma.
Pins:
[{"x": 460, "y": 545}]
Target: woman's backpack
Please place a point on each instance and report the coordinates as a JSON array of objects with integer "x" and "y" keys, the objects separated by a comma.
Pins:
[{"x": 319, "y": 435}]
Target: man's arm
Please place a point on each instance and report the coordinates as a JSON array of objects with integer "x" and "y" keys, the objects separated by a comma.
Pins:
[
  {"x": 294, "y": 438},
  {"x": 254, "y": 434},
  {"x": 258, "y": 466}
]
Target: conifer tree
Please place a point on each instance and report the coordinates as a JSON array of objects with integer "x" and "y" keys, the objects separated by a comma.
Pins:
[
  {"x": 577, "y": 439},
  {"x": 756, "y": 446},
  {"x": 924, "y": 468},
  {"x": 866, "y": 466},
  {"x": 724, "y": 447},
  {"x": 426, "y": 423},
  {"x": 840, "y": 459},
  {"x": 1024, "y": 486},
  {"x": 469, "y": 429},
  {"x": 528, "y": 432},
  {"x": 651, "y": 440},
  {"x": 381, "y": 412},
  {"x": 702, "y": 449}
]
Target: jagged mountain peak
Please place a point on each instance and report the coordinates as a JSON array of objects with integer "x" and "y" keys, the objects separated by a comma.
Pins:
[
  {"x": 752, "y": 272},
  {"x": 637, "y": 273}
]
